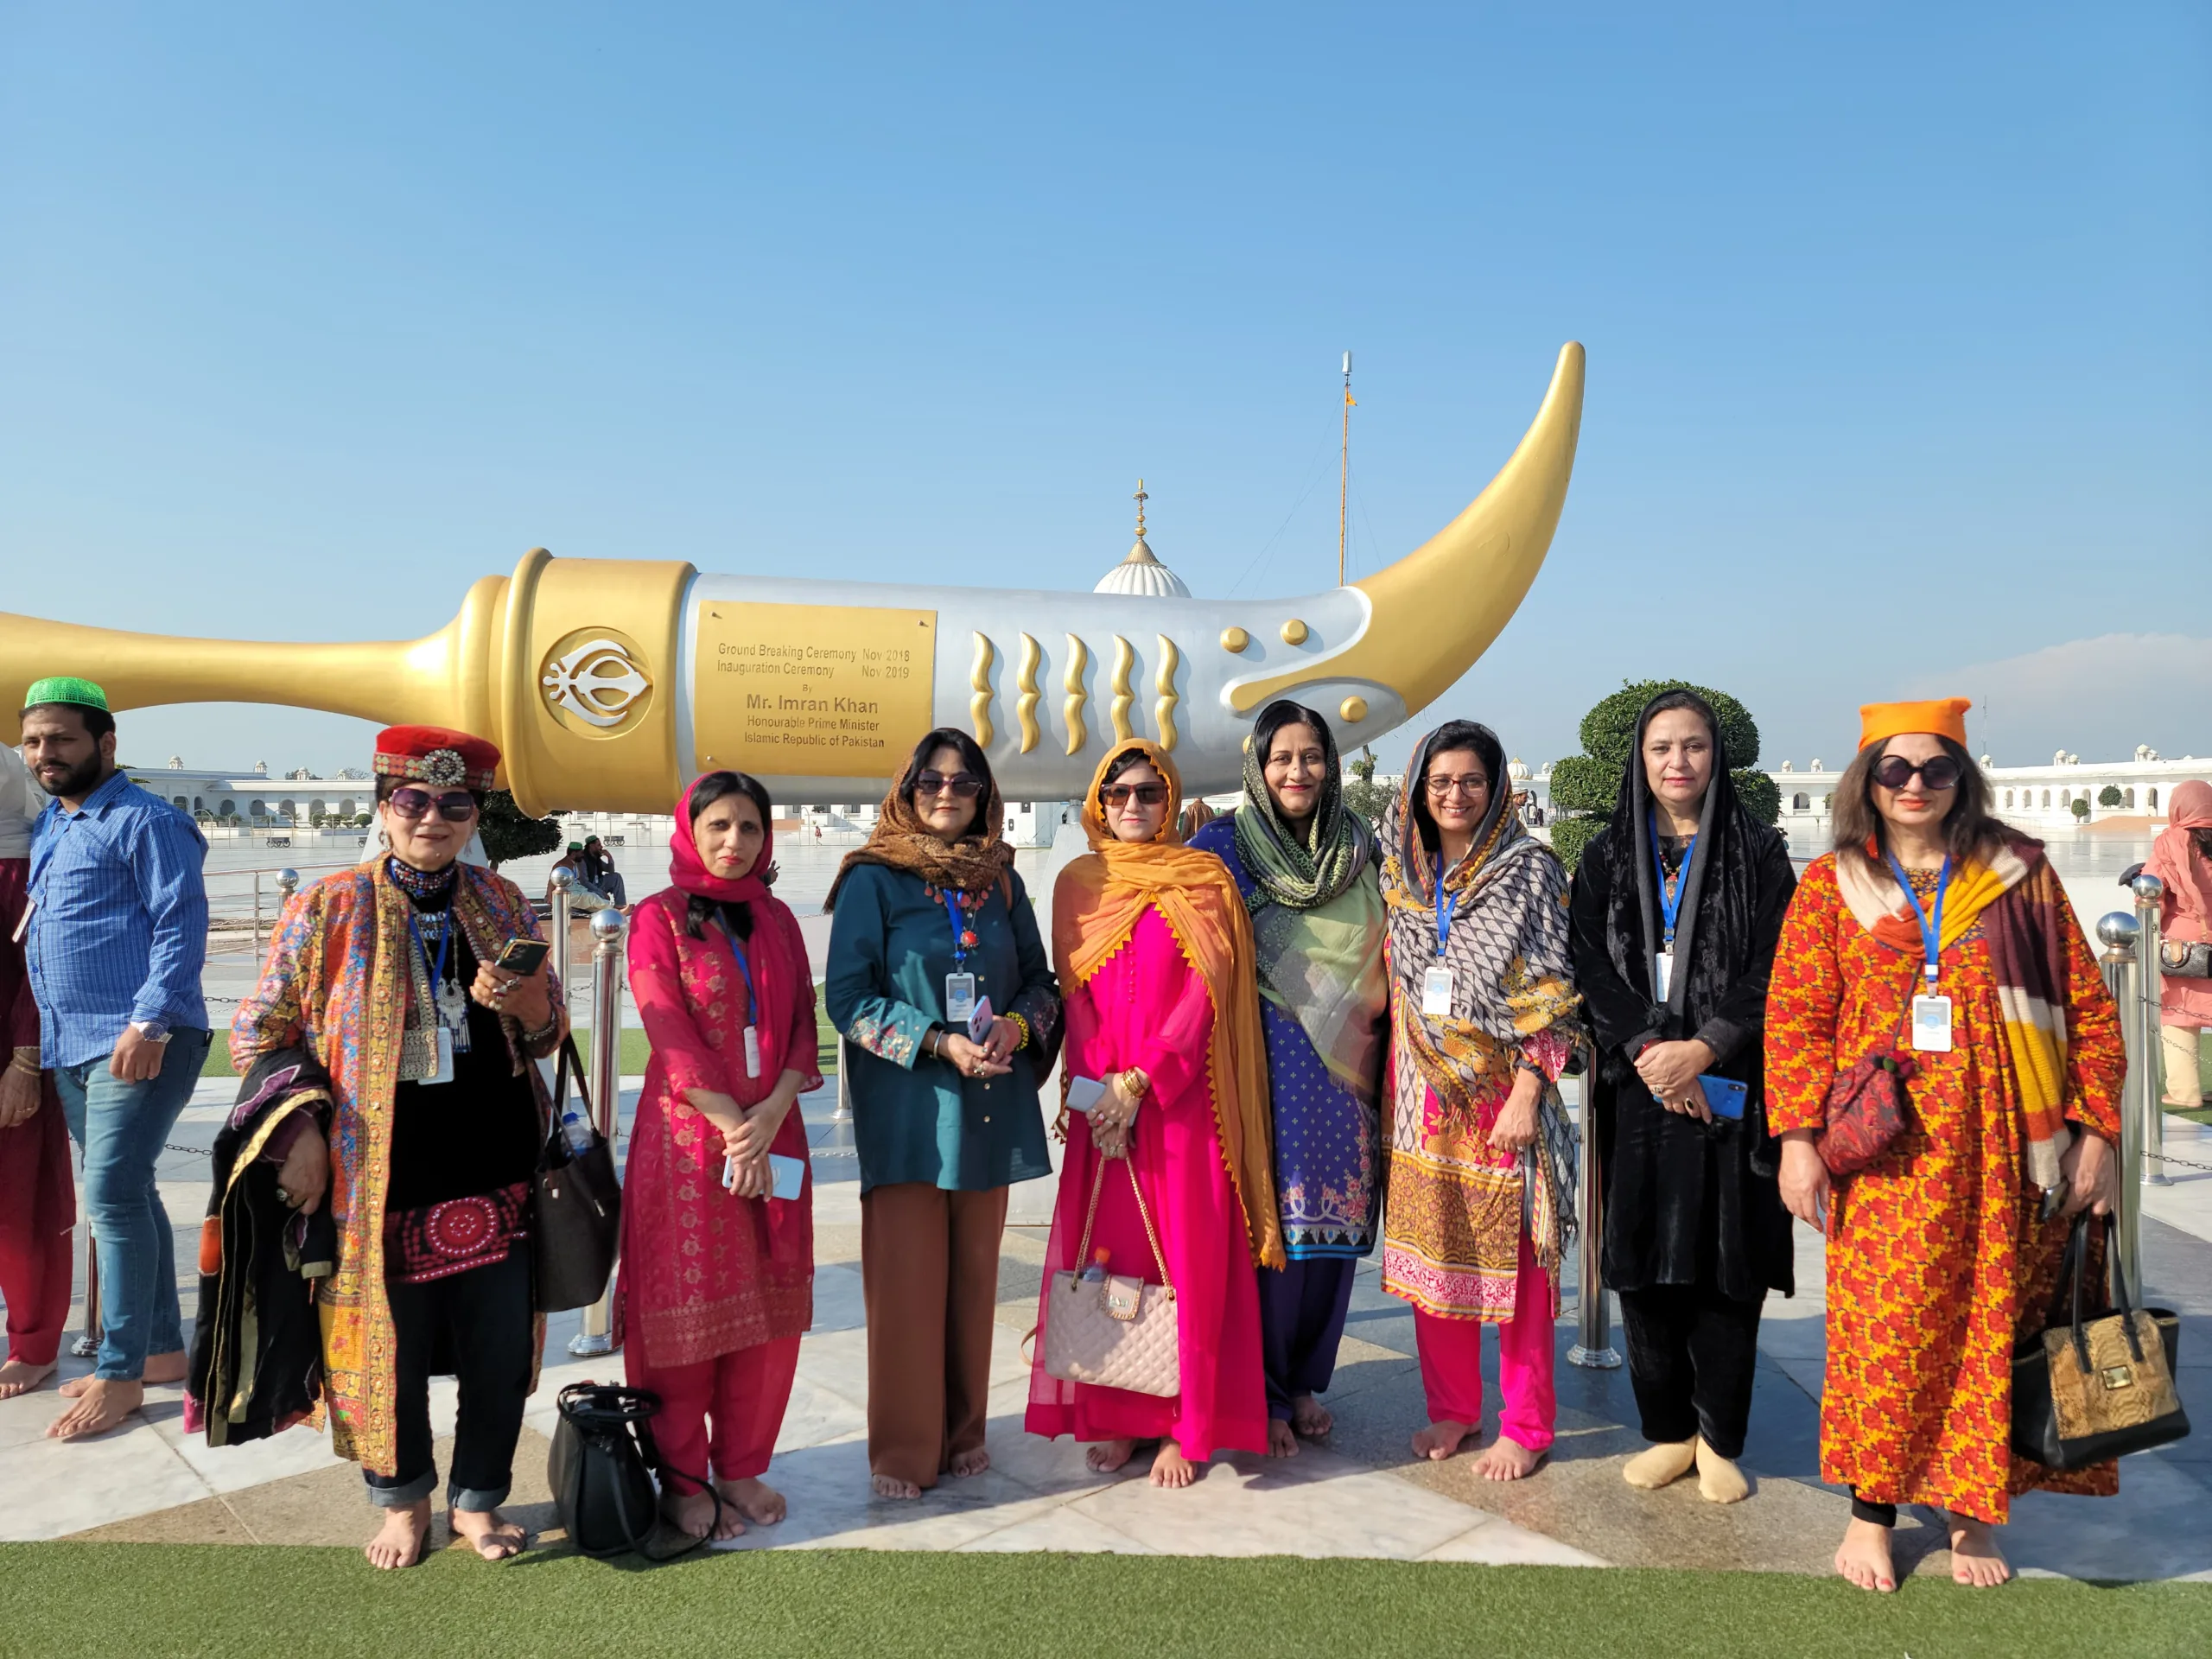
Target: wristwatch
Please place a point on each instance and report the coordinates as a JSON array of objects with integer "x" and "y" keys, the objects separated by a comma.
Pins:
[{"x": 153, "y": 1031}]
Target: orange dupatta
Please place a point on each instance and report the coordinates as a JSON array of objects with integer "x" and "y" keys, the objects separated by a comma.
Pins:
[{"x": 1096, "y": 904}]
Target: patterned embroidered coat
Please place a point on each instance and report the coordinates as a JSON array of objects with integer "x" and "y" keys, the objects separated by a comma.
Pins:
[
  {"x": 1937, "y": 1259},
  {"x": 336, "y": 981}
]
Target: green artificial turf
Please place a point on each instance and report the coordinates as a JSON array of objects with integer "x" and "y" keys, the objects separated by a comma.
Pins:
[
  {"x": 635, "y": 1049},
  {"x": 232, "y": 1601}
]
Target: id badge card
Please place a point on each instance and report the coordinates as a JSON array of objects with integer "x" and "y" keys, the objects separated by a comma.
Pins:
[
  {"x": 979, "y": 1022},
  {"x": 753, "y": 1051},
  {"x": 444, "y": 1073},
  {"x": 1662, "y": 975},
  {"x": 1931, "y": 1023},
  {"x": 1436, "y": 993},
  {"x": 959, "y": 998}
]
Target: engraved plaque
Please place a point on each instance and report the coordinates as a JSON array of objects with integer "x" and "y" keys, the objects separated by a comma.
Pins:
[{"x": 821, "y": 690}]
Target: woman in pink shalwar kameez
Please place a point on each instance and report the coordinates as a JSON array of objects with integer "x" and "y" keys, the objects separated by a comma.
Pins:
[
  {"x": 717, "y": 1281},
  {"x": 1154, "y": 952}
]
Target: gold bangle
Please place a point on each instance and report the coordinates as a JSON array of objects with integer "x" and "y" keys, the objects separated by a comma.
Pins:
[
  {"x": 1134, "y": 1084},
  {"x": 1022, "y": 1026}
]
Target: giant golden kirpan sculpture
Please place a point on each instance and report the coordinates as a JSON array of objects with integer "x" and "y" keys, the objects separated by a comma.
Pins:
[{"x": 608, "y": 682}]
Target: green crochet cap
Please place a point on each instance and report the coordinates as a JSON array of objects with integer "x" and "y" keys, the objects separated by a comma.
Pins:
[
  {"x": 576, "y": 846},
  {"x": 65, "y": 688}
]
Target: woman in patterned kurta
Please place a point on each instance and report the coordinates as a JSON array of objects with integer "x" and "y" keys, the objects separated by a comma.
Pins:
[
  {"x": 717, "y": 1281},
  {"x": 418, "y": 1279},
  {"x": 1938, "y": 1256},
  {"x": 1481, "y": 1179}
]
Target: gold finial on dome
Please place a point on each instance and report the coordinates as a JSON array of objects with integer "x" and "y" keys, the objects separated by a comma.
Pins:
[
  {"x": 1140, "y": 497},
  {"x": 1140, "y": 573}
]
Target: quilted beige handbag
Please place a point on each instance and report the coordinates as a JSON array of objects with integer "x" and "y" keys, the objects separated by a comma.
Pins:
[{"x": 1120, "y": 1332}]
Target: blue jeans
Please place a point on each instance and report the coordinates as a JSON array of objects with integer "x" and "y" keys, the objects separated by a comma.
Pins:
[{"x": 121, "y": 1127}]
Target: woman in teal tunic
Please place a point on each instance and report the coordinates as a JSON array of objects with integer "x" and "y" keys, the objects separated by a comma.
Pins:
[
  {"x": 930, "y": 923},
  {"x": 1307, "y": 867}
]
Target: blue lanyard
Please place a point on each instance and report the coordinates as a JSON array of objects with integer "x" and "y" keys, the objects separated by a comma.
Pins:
[
  {"x": 1670, "y": 909},
  {"x": 437, "y": 966},
  {"x": 1931, "y": 931},
  {"x": 952, "y": 910},
  {"x": 1445, "y": 904},
  {"x": 745, "y": 966}
]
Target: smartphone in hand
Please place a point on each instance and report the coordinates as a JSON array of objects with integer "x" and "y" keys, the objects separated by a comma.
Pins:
[{"x": 521, "y": 956}]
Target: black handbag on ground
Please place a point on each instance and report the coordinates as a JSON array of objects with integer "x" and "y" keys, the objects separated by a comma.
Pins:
[
  {"x": 2088, "y": 1389},
  {"x": 602, "y": 1467},
  {"x": 576, "y": 1220}
]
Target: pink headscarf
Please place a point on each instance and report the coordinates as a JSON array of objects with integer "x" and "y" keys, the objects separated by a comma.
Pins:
[
  {"x": 690, "y": 872},
  {"x": 776, "y": 950},
  {"x": 2175, "y": 859}
]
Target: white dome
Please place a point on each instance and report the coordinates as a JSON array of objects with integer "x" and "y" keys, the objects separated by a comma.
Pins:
[
  {"x": 1142, "y": 576},
  {"x": 1517, "y": 770}
]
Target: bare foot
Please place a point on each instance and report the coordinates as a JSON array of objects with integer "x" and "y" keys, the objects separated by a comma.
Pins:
[
  {"x": 1108, "y": 1456},
  {"x": 96, "y": 1407},
  {"x": 1864, "y": 1557},
  {"x": 756, "y": 1500},
  {"x": 889, "y": 1486},
  {"x": 1170, "y": 1468},
  {"x": 20, "y": 1377},
  {"x": 160, "y": 1369},
  {"x": 692, "y": 1514},
  {"x": 1282, "y": 1440},
  {"x": 1975, "y": 1558},
  {"x": 496, "y": 1537},
  {"x": 1441, "y": 1438},
  {"x": 1508, "y": 1460},
  {"x": 965, "y": 1464},
  {"x": 399, "y": 1542},
  {"x": 1310, "y": 1418}
]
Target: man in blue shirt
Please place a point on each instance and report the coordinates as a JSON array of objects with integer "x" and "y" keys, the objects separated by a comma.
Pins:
[{"x": 118, "y": 935}]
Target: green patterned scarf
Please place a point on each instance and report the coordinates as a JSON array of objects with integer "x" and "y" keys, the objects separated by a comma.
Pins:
[{"x": 1318, "y": 922}]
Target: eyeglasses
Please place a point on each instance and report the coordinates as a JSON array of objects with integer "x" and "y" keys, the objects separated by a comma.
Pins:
[
  {"x": 1468, "y": 788},
  {"x": 1938, "y": 771},
  {"x": 1147, "y": 794},
  {"x": 966, "y": 784},
  {"x": 459, "y": 807}
]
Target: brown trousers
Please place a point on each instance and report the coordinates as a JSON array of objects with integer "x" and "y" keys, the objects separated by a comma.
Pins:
[{"x": 930, "y": 1274}]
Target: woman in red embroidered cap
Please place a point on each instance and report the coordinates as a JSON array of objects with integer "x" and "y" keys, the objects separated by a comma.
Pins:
[
  {"x": 385, "y": 976},
  {"x": 717, "y": 1253},
  {"x": 1928, "y": 925}
]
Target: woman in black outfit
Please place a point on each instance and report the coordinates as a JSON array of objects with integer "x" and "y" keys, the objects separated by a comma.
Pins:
[{"x": 1675, "y": 912}]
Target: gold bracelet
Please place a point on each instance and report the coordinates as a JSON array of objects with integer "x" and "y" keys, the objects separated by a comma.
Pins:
[
  {"x": 1022, "y": 1026},
  {"x": 1134, "y": 1084}
]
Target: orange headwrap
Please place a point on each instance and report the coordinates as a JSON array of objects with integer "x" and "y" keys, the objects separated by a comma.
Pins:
[
  {"x": 1939, "y": 716},
  {"x": 1097, "y": 905}
]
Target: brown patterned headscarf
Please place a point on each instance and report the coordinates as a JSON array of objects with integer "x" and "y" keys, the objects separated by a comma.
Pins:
[{"x": 900, "y": 841}]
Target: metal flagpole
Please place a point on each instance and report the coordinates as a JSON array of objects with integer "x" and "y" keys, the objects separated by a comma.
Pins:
[{"x": 1344, "y": 474}]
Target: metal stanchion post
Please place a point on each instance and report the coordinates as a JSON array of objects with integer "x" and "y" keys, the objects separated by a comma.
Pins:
[
  {"x": 88, "y": 1345},
  {"x": 288, "y": 883},
  {"x": 256, "y": 912},
  {"x": 2119, "y": 934},
  {"x": 844, "y": 1113},
  {"x": 606, "y": 928},
  {"x": 1593, "y": 1342},
  {"x": 2149, "y": 992},
  {"x": 563, "y": 881}
]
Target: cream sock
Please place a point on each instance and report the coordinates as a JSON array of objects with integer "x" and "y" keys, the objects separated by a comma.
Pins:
[
  {"x": 1720, "y": 1481},
  {"x": 1655, "y": 1465}
]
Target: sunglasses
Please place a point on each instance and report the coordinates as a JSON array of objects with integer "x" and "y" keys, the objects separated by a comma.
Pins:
[
  {"x": 1938, "y": 771},
  {"x": 458, "y": 807},
  {"x": 1147, "y": 794},
  {"x": 966, "y": 784}
]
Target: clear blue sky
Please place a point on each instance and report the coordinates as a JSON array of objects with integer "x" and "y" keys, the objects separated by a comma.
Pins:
[{"x": 1899, "y": 324}]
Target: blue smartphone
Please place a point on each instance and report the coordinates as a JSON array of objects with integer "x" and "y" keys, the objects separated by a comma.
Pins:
[{"x": 1724, "y": 1097}]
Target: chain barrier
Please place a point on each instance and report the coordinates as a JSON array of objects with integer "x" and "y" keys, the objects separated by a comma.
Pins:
[{"x": 2168, "y": 1158}]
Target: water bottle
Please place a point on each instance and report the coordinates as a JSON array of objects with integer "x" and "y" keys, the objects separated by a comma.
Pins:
[
  {"x": 1095, "y": 1273},
  {"x": 575, "y": 1129}
]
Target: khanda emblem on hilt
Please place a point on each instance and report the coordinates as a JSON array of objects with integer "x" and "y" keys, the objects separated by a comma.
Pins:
[{"x": 595, "y": 682}]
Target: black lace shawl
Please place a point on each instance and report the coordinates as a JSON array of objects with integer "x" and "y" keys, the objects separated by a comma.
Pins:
[{"x": 1686, "y": 1202}]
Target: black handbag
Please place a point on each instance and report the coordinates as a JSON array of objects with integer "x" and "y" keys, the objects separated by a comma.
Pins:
[
  {"x": 2088, "y": 1389},
  {"x": 575, "y": 1221},
  {"x": 602, "y": 1469}
]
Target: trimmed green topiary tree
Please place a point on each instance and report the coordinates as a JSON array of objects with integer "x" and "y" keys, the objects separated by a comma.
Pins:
[
  {"x": 2109, "y": 795},
  {"x": 1584, "y": 786}
]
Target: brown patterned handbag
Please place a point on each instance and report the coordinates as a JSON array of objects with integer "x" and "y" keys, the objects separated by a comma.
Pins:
[
  {"x": 1868, "y": 1111},
  {"x": 2089, "y": 1389}
]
